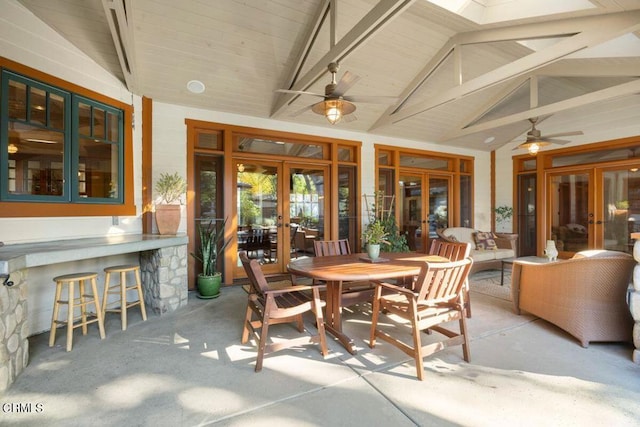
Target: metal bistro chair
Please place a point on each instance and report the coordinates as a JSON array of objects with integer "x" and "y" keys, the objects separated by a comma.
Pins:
[
  {"x": 352, "y": 292},
  {"x": 455, "y": 251},
  {"x": 266, "y": 307},
  {"x": 437, "y": 299}
]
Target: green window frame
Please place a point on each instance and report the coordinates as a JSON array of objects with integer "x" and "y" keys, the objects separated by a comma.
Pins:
[{"x": 72, "y": 146}]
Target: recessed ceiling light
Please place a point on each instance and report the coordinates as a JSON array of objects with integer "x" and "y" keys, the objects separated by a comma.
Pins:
[
  {"x": 490, "y": 140},
  {"x": 195, "y": 86}
]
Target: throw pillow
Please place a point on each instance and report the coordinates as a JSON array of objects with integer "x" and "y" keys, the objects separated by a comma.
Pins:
[
  {"x": 485, "y": 240},
  {"x": 451, "y": 238}
]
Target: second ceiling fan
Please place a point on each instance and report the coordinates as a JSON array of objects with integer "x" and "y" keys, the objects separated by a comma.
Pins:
[
  {"x": 336, "y": 105},
  {"x": 535, "y": 139}
]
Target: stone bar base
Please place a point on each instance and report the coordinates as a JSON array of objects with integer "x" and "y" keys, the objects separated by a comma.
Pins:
[
  {"x": 164, "y": 278},
  {"x": 14, "y": 329}
]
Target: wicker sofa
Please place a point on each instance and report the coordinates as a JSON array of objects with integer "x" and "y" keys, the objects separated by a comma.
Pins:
[
  {"x": 483, "y": 259},
  {"x": 585, "y": 295}
]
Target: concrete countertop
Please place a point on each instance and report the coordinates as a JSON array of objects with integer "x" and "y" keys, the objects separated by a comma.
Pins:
[{"x": 26, "y": 255}]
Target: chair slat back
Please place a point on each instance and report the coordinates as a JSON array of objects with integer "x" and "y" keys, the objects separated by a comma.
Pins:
[
  {"x": 455, "y": 251},
  {"x": 331, "y": 247},
  {"x": 442, "y": 282},
  {"x": 254, "y": 273}
]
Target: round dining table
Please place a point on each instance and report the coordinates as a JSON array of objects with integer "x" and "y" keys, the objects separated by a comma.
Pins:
[{"x": 333, "y": 270}]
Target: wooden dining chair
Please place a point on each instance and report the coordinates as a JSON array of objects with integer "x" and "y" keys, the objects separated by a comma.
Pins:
[
  {"x": 352, "y": 292},
  {"x": 455, "y": 251},
  {"x": 436, "y": 300},
  {"x": 266, "y": 307}
]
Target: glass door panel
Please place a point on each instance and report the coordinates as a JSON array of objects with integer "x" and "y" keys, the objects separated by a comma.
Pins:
[
  {"x": 439, "y": 188},
  {"x": 527, "y": 215},
  {"x": 258, "y": 210},
  {"x": 620, "y": 209},
  {"x": 307, "y": 206},
  {"x": 347, "y": 218},
  {"x": 410, "y": 203},
  {"x": 571, "y": 211}
]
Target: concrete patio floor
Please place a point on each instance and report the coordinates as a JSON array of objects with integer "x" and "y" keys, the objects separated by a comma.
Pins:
[{"x": 189, "y": 369}]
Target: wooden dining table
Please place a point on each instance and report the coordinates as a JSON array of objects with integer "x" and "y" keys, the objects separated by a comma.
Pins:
[{"x": 335, "y": 269}]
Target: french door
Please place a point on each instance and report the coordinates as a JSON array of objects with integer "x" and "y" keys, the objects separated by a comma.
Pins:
[
  {"x": 281, "y": 208},
  {"x": 594, "y": 208},
  {"x": 424, "y": 203}
]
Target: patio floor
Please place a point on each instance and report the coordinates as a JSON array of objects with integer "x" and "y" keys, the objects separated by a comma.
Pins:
[{"x": 189, "y": 369}]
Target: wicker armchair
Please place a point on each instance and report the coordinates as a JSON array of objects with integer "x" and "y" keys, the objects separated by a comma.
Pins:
[{"x": 585, "y": 295}]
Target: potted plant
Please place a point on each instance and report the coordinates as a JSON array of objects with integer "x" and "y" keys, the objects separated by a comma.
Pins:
[
  {"x": 374, "y": 235},
  {"x": 170, "y": 188},
  {"x": 211, "y": 244},
  {"x": 503, "y": 214}
]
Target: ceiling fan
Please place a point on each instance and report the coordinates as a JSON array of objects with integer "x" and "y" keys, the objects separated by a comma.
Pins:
[
  {"x": 535, "y": 140},
  {"x": 336, "y": 105}
]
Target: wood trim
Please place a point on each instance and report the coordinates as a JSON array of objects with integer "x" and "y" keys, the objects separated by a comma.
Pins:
[
  {"x": 235, "y": 130},
  {"x": 453, "y": 174},
  {"x": 147, "y": 165},
  {"x": 493, "y": 190},
  {"x": 228, "y": 134},
  {"x": 44, "y": 209}
]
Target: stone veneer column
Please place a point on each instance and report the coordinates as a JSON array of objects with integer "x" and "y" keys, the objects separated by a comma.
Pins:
[
  {"x": 164, "y": 278},
  {"x": 14, "y": 329},
  {"x": 634, "y": 298}
]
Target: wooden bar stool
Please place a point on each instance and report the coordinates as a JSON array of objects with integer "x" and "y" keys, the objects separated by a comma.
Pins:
[
  {"x": 81, "y": 301},
  {"x": 121, "y": 290}
]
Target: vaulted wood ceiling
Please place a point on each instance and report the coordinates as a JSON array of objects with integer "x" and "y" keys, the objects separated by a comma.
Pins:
[{"x": 459, "y": 78}]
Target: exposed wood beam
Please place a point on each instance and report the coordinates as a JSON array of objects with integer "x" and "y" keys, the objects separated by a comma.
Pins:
[
  {"x": 487, "y": 106},
  {"x": 417, "y": 81},
  {"x": 623, "y": 67},
  {"x": 309, "y": 39},
  {"x": 369, "y": 25},
  {"x": 589, "y": 31},
  {"x": 554, "y": 28},
  {"x": 624, "y": 89},
  {"x": 118, "y": 13}
]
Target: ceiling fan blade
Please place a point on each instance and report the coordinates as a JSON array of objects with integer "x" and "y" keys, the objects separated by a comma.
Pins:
[
  {"x": 348, "y": 79},
  {"x": 371, "y": 99},
  {"x": 349, "y": 118},
  {"x": 299, "y": 92},
  {"x": 553, "y": 135},
  {"x": 557, "y": 141},
  {"x": 301, "y": 110}
]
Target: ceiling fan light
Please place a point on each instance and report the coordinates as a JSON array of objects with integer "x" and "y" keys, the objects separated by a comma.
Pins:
[
  {"x": 333, "y": 110},
  {"x": 533, "y": 148},
  {"x": 13, "y": 148}
]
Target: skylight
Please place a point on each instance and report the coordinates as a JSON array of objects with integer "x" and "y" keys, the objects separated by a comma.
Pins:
[{"x": 490, "y": 11}]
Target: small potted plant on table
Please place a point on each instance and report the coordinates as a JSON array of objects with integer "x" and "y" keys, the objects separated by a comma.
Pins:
[
  {"x": 374, "y": 235},
  {"x": 211, "y": 244}
]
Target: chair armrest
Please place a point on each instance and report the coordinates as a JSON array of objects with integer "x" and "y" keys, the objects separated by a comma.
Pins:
[
  {"x": 293, "y": 288},
  {"x": 399, "y": 289}
]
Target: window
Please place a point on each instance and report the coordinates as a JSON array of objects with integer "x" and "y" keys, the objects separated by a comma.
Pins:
[
  {"x": 60, "y": 147},
  {"x": 63, "y": 149}
]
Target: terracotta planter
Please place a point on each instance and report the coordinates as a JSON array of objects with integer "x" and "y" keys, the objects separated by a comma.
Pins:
[{"x": 168, "y": 219}]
